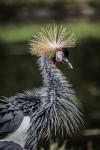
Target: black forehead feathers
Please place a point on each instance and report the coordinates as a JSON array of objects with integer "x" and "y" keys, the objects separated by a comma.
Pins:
[{"x": 66, "y": 52}]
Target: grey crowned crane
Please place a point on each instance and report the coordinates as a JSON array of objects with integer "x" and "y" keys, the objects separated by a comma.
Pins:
[{"x": 35, "y": 114}]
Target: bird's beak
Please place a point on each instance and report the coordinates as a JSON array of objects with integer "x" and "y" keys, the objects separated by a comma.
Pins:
[{"x": 67, "y": 63}]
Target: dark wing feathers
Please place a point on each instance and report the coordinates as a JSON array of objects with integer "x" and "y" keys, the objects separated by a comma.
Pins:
[
  {"x": 4, "y": 145},
  {"x": 10, "y": 118},
  {"x": 14, "y": 108},
  {"x": 27, "y": 102},
  {"x": 12, "y": 111}
]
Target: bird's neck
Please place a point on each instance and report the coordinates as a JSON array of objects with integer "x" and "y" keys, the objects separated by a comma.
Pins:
[
  {"x": 52, "y": 77},
  {"x": 58, "y": 109}
]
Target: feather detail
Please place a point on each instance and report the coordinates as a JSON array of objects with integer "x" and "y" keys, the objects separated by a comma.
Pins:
[
  {"x": 59, "y": 111},
  {"x": 50, "y": 38}
]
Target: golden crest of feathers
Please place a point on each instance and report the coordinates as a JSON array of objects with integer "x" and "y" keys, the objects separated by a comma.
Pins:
[{"x": 51, "y": 38}]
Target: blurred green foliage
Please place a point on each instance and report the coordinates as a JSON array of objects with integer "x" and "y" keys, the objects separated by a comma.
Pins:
[{"x": 17, "y": 33}]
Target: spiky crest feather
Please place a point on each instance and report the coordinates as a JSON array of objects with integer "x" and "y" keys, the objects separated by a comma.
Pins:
[{"x": 50, "y": 38}]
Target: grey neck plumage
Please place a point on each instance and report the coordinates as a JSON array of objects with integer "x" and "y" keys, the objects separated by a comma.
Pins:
[
  {"x": 51, "y": 77},
  {"x": 59, "y": 107}
]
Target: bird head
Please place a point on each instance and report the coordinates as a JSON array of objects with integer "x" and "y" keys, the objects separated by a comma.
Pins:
[
  {"x": 61, "y": 56},
  {"x": 54, "y": 42}
]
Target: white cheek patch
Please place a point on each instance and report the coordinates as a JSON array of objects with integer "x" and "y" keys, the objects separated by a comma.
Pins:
[{"x": 59, "y": 56}]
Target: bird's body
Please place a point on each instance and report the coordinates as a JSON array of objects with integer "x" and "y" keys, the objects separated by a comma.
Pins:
[{"x": 37, "y": 113}]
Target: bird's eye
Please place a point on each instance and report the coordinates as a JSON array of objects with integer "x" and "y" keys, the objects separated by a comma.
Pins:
[
  {"x": 54, "y": 58},
  {"x": 66, "y": 52}
]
